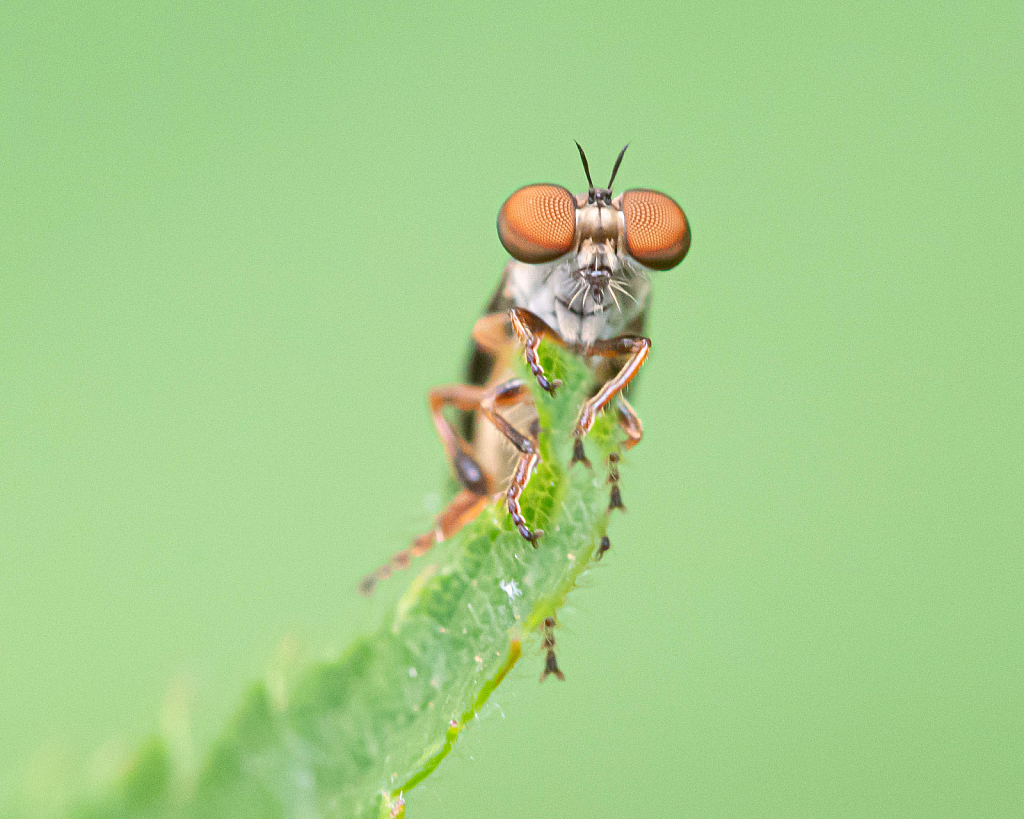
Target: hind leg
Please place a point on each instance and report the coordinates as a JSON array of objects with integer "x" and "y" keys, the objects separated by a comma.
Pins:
[
  {"x": 467, "y": 398},
  {"x": 476, "y": 483},
  {"x": 463, "y": 508}
]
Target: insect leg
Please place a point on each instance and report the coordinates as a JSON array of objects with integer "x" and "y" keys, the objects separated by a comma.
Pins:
[
  {"x": 634, "y": 429},
  {"x": 531, "y": 329},
  {"x": 636, "y": 347},
  {"x": 463, "y": 508},
  {"x": 467, "y": 398},
  {"x": 550, "y": 663},
  {"x": 615, "y": 497},
  {"x": 477, "y": 484},
  {"x": 629, "y": 421},
  {"x": 472, "y": 500},
  {"x": 491, "y": 332},
  {"x": 511, "y": 392}
]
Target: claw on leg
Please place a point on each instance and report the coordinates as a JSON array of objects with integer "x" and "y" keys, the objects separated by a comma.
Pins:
[
  {"x": 550, "y": 662},
  {"x": 579, "y": 456},
  {"x": 551, "y": 667},
  {"x": 550, "y": 386},
  {"x": 615, "y": 497}
]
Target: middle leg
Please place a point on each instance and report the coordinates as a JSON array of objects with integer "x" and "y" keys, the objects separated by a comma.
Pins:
[
  {"x": 510, "y": 392},
  {"x": 636, "y": 348},
  {"x": 477, "y": 484}
]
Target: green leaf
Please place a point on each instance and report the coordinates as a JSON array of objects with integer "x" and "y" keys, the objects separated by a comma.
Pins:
[{"x": 355, "y": 735}]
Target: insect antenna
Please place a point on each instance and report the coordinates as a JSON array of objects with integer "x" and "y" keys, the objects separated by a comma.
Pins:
[
  {"x": 615, "y": 170},
  {"x": 586, "y": 167}
]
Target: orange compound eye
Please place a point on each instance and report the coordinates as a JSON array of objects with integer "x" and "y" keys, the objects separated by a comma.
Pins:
[
  {"x": 657, "y": 233},
  {"x": 538, "y": 223}
]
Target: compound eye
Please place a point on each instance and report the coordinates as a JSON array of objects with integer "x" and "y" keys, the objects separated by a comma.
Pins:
[
  {"x": 538, "y": 223},
  {"x": 657, "y": 233}
]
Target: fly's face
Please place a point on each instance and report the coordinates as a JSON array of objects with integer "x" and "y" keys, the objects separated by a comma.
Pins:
[
  {"x": 579, "y": 276},
  {"x": 582, "y": 262}
]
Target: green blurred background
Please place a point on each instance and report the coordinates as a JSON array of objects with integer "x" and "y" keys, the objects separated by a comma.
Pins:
[{"x": 239, "y": 242}]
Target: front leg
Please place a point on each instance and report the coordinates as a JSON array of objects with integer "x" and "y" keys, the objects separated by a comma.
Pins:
[
  {"x": 531, "y": 329},
  {"x": 636, "y": 347}
]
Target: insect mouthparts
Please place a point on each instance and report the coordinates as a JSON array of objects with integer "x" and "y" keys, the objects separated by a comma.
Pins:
[{"x": 597, "y": 275}]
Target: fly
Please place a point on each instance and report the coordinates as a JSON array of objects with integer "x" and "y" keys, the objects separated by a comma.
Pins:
[{"x": 580, "y": 277}]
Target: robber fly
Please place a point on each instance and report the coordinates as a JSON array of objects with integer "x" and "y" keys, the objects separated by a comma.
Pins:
[{"x": 579, "y": 276}]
